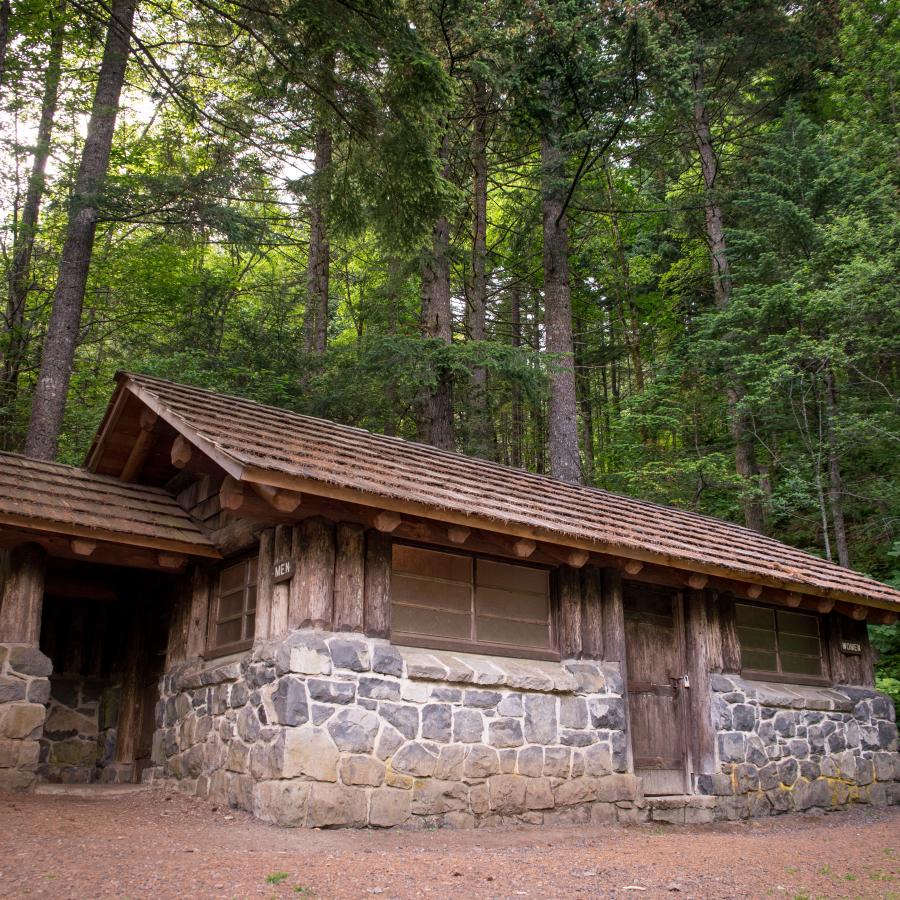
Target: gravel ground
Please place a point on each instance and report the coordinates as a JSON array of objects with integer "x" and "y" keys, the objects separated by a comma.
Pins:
[{"x": 163, "y": 845}]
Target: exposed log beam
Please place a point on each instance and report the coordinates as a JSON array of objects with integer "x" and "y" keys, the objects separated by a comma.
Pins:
[
  {"x": 696, "y": 581},
  {"x": 171, "y": 560},
  {"x": 181, "y": 452},
  {"x": 823, "y": 606},
  {"x": 458, "y": 534},
  {"x": 523, "y": 548},
  {"x": 231, "y": 494},
  {"x": 387, "y": 522},
  {"x": 141, "y": 446},
  {"x": 632, "y": 566},
  {"x": 855, "y": 612},
  {"x": 82, "y": 546},
  {"x": 793, "y": 600},
  {"x": 280, "y": 498},
  {"x": 753, "y": 591}
]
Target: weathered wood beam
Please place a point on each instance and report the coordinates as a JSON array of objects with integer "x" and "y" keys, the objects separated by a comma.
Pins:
[
  {"x": 141, "y": 447},
  {"x": 377, "y": 590},
  {"x": 569, "y": 591},
  {"x": 201, "y": 585},
  {"x": 181, "y": 452},
  {"x": 852, "y": 611},
  {"x": 280, "y": 498},
  {"x": 793, "y": 600},
  {"x": 349, "y": 577},
  {"x": 311, "y": 602},
  {"x": 883, "y": 617},
  {"x": 632, "y": 566},
  {"x": 23, "y": 595},
  {"x": 264, "y": 585},
  {"x": 822, "y": 606},
  {"x": 592, "y": 612},
  {"x": 696, "y": 581}
]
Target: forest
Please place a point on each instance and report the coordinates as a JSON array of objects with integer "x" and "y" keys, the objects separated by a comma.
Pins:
[{"x": 649, "y": 245}]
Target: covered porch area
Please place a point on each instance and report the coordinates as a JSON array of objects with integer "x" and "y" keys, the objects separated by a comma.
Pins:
[{"x": 89, "y": 567}]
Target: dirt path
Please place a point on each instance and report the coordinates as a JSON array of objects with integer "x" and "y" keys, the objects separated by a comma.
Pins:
[{"x": 164, "y": 845}]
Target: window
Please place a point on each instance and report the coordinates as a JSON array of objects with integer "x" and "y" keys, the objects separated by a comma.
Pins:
[
  {"x": 779, "y": 641},
  {"x": 233, "y": 613},
  {"x": 457, "y": 601}
]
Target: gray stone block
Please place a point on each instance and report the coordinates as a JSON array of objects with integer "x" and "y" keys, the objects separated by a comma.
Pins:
[
  {"x": 389, "y": 741},
  {"x": 354, "y": 730},
  {"x": 436, "y": 722},
  {"x": 349, "y": 654},
  {"x": 540, "y": 719},
  {"x": 530, "y": 761},
  {"x": 25, "y": 660},
  {"x": 415, "y": 759},
  {"x": 481, "y": 761},
  {"x": 289, "y": 701},
  {"x": 505, "y": 733},
  {"x": 335, "y": 804},
  {"x": 387, "y": 660},
  {"x": 404, "y": 718},
  {"x": 608, "y": 713},
  {"x": 379, "y": 688},
  {"x": 482, "y": 699},
  {"x": 468, "y": 726},
  {"x": 12, "y": 689},
  {"x": 339, "y": 692}
]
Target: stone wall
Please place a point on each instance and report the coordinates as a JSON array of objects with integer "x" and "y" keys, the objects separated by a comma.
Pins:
[
  {"x": 323, "y": 729},
  {"x": 783, "y": 748},
  {"x": 79, "y": 740},
  {"x": 24, "y": 689}
]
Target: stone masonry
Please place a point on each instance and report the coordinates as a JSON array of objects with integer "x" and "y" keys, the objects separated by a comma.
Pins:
[
  {"x": 326, "y": 730},
  {"x": 24, "y": 691},
  {"x": 787, "y": 748}
]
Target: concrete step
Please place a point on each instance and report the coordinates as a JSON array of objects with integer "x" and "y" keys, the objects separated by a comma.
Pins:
[
  {"x": 92, "y": 791},
  {"x": 682, "y": 809}
]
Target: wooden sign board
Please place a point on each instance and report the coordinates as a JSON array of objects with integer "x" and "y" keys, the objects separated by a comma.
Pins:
[
  {"x": 851, "y": 648},
  {"x": 283, "y": 570}
]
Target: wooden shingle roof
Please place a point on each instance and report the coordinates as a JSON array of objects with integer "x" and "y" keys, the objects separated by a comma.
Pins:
[
  {"x": 273, "y": 446},
  {"x": 56, "y": 499}
]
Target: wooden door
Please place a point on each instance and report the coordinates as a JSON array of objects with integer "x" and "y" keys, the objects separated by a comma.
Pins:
[{"x": 657, "y": 699}]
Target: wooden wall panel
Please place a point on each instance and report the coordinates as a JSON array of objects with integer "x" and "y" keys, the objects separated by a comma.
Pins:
[
  {"x": 264, "y": 585},
  {"x": 568, "y": 583},
  {"x": 697, "y": 635},
  {"x": 311, "y": 602},
  {"x": 613, "y": 618},
  {"x": 23, "y": 595},
  {"x": 349, "y": 577}
]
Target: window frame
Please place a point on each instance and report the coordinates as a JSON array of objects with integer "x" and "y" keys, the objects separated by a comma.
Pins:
[
  {"x": 426, "y": 642},
  {"x": 779, "y": 676},
  {"x": 245, "y": 643}
]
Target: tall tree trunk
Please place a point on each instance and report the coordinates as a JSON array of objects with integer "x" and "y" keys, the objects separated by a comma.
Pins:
[
  {"x": 436, "y": 406},
  {"x": 741, "y": 421},
  {"x": 583, "y": 391},
  {"x": 564, "y": 461},
  {"x": 481, "y": 432},
  {"x": 835, "y": 481},
  {"x": 16, "y": 339},
  {"x": 4, "y": 36},
  {"x": 318, "y": 268},
  {"x": 515, "y": 318},
  {"x": 49, "y": 402}
]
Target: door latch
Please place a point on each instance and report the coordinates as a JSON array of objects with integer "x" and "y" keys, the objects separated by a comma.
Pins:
[{"x": 681, "y": 681}]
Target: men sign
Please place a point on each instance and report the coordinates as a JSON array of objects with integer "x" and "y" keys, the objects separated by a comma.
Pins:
[{"x": 283, "y": 570}]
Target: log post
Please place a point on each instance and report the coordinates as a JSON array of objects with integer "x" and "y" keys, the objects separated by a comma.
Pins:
[
  {"x": 378, "y": 585},
  {"x": 592, "y": 612},
  {"x": 569, "y": 588},
  {"x": 731, "y": 646},
  {"x": 349, "y": 577},
  {"x": 264, "y": 584},
  {"x": 23, "y": 595},
  {"x": 312, "y": 587},
  {"x": 198, "y": 611},
  {"x": 703, "y": 735},
  {"x": 278, "y": 613},
  {"x": 613, "y": 618},
  {"x": 129, "y": 724}
]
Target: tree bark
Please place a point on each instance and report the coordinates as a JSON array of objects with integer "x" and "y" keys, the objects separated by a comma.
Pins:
[
  {"x": 741, "y": 422},
  {"x": 318, "y": 269},
  {"x": 436, "y": 407},
  {"x": 835, "y": 481},
  {"x": 4, "y": 36},
  {"x": 564, "y": 460},
  {"x": 16, "y": 339},
  {"x": 515, "y": 317},
  {"x": 481, "y": 432},
  {"x": 49, "y": 402}
]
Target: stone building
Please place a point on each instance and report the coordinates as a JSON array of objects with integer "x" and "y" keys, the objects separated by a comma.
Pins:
[{"x": 330, "y": 627}]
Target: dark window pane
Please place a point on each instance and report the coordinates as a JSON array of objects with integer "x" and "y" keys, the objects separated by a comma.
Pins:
[
  {"x": 252, "y": 567},
  {"x": 437, "y": 594},
  {"x": 432, "y": 564},
  {"x": 429, "y": 622},
  {"x": 231, "y": 605},
  {"x": 251, "y": 598},
  {"x": 798, "y": 643},
  {"x": 511, "y": 577},
  {"x": 759, "y": 660},
  {"x": 754, "y": 616},
  {"x": 512, "y": 605},
  {"x": 520, "y": 634},
  {"x": 228, "y": 632},
  {"x": 797, "y": 664},
  {"x": 249, "y": 626},
  {"x": 232, "y": 579},
  {"x": 797, "y": 623},
  {"x": 756, "y": 638}
]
